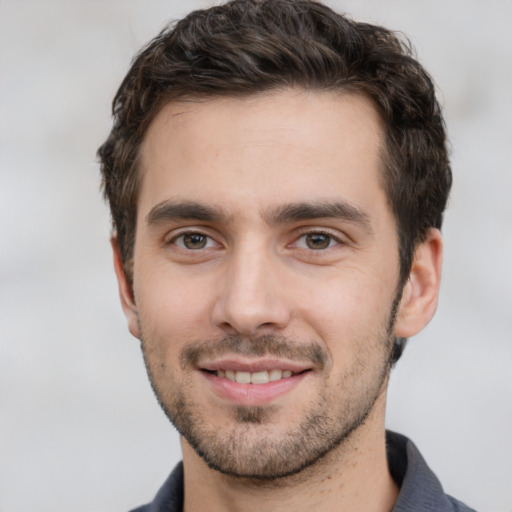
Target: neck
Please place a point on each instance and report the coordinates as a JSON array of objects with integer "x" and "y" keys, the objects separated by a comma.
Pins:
[{"x": 353, "y": 476}]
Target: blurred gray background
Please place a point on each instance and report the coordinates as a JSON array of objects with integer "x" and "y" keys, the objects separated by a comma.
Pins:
[{"x": 79, "y": 428}]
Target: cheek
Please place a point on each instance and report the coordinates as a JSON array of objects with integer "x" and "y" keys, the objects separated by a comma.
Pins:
[
  {"x": 348, "y": 313},
  {"x": 350, "y": 302},
  {"x": 173, "y": 309}
]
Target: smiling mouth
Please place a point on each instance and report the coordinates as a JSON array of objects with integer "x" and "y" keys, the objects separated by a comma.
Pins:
[{"x": 260, "y": 377}]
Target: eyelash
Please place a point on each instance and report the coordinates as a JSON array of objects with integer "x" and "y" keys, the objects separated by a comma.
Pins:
[
  {"x": 332, "y": 240},
  {"x": 182, "y": 235}
]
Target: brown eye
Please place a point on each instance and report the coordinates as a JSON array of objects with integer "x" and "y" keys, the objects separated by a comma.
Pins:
[
  {"x": 195, "y": 241},
  {"x": 318, "y": 241}
]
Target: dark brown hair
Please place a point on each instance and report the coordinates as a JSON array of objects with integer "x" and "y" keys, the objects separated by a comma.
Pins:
[{"x": 251, "y": 46}]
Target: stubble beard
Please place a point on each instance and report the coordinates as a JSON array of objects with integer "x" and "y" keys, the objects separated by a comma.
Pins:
[{"x": 248, "y": 446}]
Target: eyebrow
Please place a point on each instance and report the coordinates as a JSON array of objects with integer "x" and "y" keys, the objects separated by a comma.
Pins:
[
  {"x": 171, "y": 210},
  {"x": 320, "y": 210}
]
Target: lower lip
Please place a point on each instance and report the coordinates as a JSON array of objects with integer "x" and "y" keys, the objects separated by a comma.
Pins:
[{"x": 253, "y": 394}]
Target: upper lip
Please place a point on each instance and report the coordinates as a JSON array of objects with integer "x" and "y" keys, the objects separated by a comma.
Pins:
[{"x": 259, "y": 365}]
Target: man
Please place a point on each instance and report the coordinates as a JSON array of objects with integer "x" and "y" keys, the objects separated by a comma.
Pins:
[{"x": 277, "y": 176}]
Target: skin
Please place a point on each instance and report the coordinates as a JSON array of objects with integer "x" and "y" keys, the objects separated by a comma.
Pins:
[{"x": 251, "y": 272}]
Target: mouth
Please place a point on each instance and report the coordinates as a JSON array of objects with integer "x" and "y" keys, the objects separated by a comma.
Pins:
[
  {"x": 258, "y": 377},
  {"x": 253, "y": 383}
]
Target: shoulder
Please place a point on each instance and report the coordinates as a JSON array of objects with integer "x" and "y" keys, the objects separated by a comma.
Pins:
[
  {"x": 170, "y": 496},
  {"x": 420, "y": 489}
]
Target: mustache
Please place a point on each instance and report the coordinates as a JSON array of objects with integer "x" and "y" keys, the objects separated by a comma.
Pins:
[{"x": 265, "y": 345}]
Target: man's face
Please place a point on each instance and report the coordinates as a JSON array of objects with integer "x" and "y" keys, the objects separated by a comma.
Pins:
[{"x": 265, "y": 275}]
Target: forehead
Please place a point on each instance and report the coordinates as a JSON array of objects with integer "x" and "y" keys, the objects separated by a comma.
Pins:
[{"x": 260, "y": 150}]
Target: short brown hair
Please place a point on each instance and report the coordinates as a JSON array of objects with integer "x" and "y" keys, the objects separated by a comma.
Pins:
[{"x": 249, "y": 46}]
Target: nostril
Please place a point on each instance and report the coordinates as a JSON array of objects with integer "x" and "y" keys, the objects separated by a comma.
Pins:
[{"x": 228, "y": 328}]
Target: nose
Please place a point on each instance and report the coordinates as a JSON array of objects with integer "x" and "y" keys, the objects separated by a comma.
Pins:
[{"x": 252, "y": 299}]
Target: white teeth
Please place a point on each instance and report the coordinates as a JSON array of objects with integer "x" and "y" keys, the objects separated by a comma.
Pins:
[
  {"x": 275, "y": 375},
  {"x": 259, "y": 377},
  {"x": 254, "y": 377},
  {"x": 243, "y": 377}
]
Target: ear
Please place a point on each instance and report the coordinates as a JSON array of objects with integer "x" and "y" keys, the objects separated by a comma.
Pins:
[
  {"x": 125, "y": 290},
  {"x": 421, "y": 290}
]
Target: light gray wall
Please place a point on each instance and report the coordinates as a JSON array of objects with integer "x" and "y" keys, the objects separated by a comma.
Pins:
[{"x": 79, "y": 427}]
